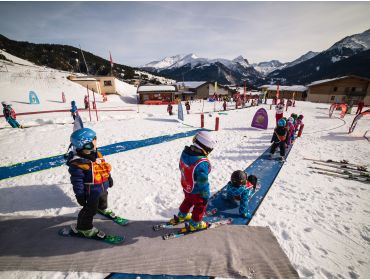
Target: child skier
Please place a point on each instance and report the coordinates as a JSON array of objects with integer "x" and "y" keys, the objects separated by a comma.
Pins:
[
  {"x": 91, "y": 178},
  {"x": 187, "y": 106},
  {"x": 169, "y": 109},
  {"x": 73, "y": 110},
  {"x": 279, "y": 139},
  {"x": 10, "y": 115},
  {"x": 279, "y": 111},
  {"x": 86, "y": 102},
  {"x": 241, "y": 188},
  {"x": 195, "y": 167},
  {"x": 298, "y": 123},
  {"x": 291, "y": 131}
]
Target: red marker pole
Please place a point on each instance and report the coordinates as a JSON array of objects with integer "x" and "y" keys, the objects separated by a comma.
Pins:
[
  {"x": 96, "y": 110},
  {"x": 88, "y": 99},
  {"x": 217, "y": 123},
  {"x": 201, "y": 120},
  {"x": 63, "y": 97}
]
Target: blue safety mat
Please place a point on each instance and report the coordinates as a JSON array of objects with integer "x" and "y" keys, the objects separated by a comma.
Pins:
[
  {"x": 266, "y": 170},
  {"x": 55, "y": 161},
  {"x": 149, "y": 276}
]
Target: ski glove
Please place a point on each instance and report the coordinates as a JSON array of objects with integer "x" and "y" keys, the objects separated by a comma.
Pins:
[
  {"x": 110, "y": 179},
  {"x": 247, "y": 215},
  {"x": 81, "y": 199}
]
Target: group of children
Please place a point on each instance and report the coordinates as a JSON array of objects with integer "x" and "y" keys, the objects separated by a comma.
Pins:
[
  {"x": 285, "y": 133},
  {"x": 91, "y": 178}
]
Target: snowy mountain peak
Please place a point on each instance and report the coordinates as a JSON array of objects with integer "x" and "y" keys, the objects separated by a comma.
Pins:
[
  {"x": 302, "y": 58},
  {"x": 357, "y": 42},
  {"x": 242, "y": 61},
  {"x": 165, "y": 62}
]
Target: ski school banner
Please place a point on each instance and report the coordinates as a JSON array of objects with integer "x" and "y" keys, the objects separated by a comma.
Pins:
[
  {"x": 180, "y": 112},
  {"x": 260, "y": 119},
  {"x": 33, "y": 98}
]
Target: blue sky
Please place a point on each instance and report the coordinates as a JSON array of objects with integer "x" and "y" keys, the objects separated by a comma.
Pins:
[{"x": 140, "y": 32}]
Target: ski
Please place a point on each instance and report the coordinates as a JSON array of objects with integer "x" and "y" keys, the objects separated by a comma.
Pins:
[
  {"x": 185, "y": 230},
  {"x": 344, "y": 172},
  {"x": 348, "y": 177},
  {"x": 110, "y": 215},
  {"x": 343, "y": 166},
  {"x": 172, "y": 223},
  {"x": 101, "y": 236},
  {"x": 344, "y": 162}
]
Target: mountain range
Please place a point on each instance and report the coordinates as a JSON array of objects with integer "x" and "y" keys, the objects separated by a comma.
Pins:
[{"x": 347, "y": 56}]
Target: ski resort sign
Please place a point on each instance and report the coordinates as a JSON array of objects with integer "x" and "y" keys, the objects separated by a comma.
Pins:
[{"x": 260, "y": 119}]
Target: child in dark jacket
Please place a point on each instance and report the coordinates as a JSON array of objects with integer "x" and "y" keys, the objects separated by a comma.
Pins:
[
  {"x": 90, "y": 177},
  {"x": 195, "y": 168},
  {"x": 73, "y": 110},
  {"x": 241, "y": 188},
  {"x": 279, "y": 139}
]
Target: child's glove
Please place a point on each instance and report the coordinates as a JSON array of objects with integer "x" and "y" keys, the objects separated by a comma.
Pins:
[
  {"x": 81, "y": 199},
  {"x": 110, "y": 181},
  {"x": 247, "y": 215}
]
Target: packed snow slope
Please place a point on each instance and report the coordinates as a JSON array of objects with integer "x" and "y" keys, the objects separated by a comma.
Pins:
[{"x": 321, "y": 222}]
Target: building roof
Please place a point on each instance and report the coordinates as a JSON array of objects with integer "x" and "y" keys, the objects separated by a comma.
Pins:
[
  {"x": 190, "y": 84},
  {"x": 156, "y": 88},
  {"x": 84, "y": 79},
  {"x": 335, "y": 79},
  {"x": 285, "y": 88}
]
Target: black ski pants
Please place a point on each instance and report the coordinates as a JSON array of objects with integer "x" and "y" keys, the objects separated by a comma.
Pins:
[
  {"x": 89, "y": 210},
  {"x": 281, "y": 145}
]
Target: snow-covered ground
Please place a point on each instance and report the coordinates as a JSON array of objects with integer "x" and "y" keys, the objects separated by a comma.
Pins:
[{"x": 321, "y": 222}]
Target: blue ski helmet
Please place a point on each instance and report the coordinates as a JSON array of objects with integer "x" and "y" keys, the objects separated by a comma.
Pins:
[
  {"x": 73, "y": 103},
  {"x": 82, "y": 138},
  {"x": 281, "y": 122}
]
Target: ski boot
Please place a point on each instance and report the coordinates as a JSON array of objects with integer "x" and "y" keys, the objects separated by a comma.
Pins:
[
  {"x": 194, "y": 226},
  {"x": 108, "y": 213},
  {"x": 90, "y": 233},
  {"x": 281, "y": 158},
  {"x": 180, "y": 218}
]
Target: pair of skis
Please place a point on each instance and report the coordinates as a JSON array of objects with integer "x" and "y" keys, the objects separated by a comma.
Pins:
[
  {"x": 342, "y": 169},
  {"x": 100, "y": 236},
  {"x": 340, "y": 163},
  {"x": 186, "y": 229}
]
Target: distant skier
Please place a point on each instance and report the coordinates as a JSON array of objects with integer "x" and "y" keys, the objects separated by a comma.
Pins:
[
  {"x": 10, "y": 115},
  {"x": 279, "y": 111},
  {"x": 74, "y": 111},
  {"x": 187, "y": 106},
  {"x": 91, "y": 178},
  {"x": 224, "y": 105},
  {"x": 360, "y": 106},
  {"x": 241, "y": 188},
  {"x": 195, "y": 168},
  {"x": 279, "y": 139},
  {"x": 169, "y": 109},
  {"x": 86, "y": 102}
]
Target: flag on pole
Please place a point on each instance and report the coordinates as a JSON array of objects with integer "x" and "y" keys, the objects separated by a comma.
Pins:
[{"x": 110, "y": 59}]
